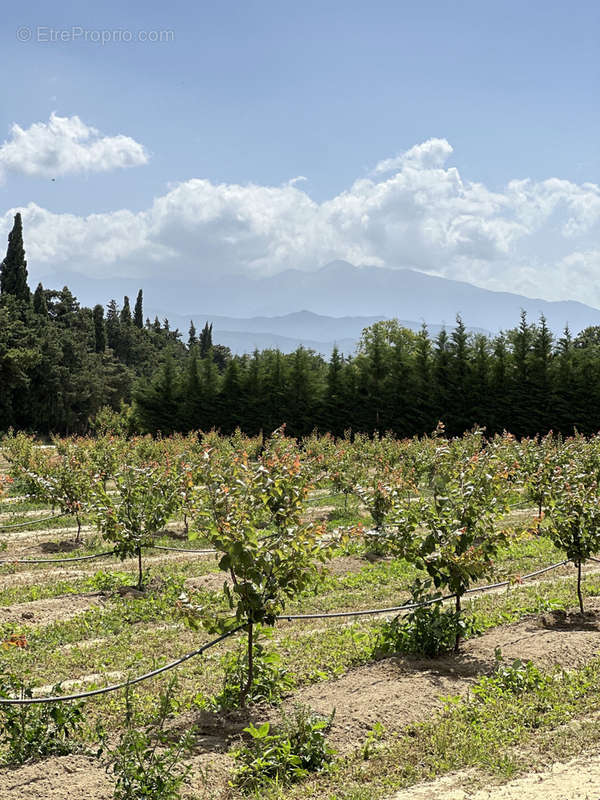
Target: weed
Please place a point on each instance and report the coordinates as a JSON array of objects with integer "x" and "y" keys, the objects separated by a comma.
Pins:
[
  {"x": 30, "y": 732},
  {"x": 297, "y": 747},
  {"x": 145, "y": 764}
]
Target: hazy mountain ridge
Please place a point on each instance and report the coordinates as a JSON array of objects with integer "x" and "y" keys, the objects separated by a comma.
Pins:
[{"x": 340, "y": 300}]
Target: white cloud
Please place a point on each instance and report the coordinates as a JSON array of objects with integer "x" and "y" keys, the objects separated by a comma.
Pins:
[
  {"x": 429, "y": 155},
  {"x": 535, "y": 237},
  {"x": 65, "y": 145}
]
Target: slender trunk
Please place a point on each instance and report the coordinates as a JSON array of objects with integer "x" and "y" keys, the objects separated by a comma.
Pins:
[
  {"x": 540, "y": 514},
  {"x": 345, "y": 502},
  {"x": 458, "y": 610},
  {"x": 250, "y": 678},
  {"x": 140, "y": 585},
  {"x": 185, "y": 523},
  {"x": 579, "y": 595},
  {"x": 78, "y": 527}
]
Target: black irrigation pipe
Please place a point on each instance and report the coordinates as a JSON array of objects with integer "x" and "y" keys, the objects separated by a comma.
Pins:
[
  {"x": 409, "y": 606},
  {"x": 32, "y": 521},
  {"x": 28, "y": 701},
  {"x": 180, "y": 549},
  {"x": 68, "y": 559},
  {"x": 288, "y": 617}
]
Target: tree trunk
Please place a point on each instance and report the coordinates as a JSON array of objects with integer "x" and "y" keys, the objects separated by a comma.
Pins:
[
  {"x": 140, "y": 585},
  {"x": 250, "y": 678},
  {"x": 78, "y": 527},
  {"x": 458, "y": 610},
  {"x": 579, "y": 595}
]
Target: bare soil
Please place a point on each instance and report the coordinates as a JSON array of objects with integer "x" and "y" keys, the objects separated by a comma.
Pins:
[
  {"x": 398, "y": 691},
  {"x": 577, "y": 779},
  {"x": 44, "y": 612}
]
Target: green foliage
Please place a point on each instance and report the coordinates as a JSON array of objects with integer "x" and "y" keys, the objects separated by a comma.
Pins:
[
  {"x": 428, "y": 630},
  {"x": 286, "y": 754},
  {"x": 270, "y": 680},
  {"x": 31, "y": 732},
  {"x": 515, "y": 678},
  {"x": 575, "y": 515},
  {"x": 142, "y": 501},
  {"x": 255, "y": 513},
  {"x": 146, "y": 764}
]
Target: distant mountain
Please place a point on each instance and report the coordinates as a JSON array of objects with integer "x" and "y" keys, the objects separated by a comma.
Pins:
[
  {"x": 286, "y": 333},
  {"x": 341, "y": 299}
]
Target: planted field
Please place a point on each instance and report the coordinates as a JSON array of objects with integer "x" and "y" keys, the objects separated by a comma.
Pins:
[{"x": 382, "y": 611}]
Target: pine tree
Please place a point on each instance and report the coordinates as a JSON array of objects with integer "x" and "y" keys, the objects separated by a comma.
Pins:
[
  {"x": 138, "y": 313},
  {"x": 40, "y": 306},
  {"x": 99, "y": 330},
  {"x": 13, "y": 270}
]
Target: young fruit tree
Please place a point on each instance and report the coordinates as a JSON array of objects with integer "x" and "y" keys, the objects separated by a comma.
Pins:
[
  {"x": 144, "y": 498},
  {"x": 454, "y": 537},
  {"x": 252, "y": 514},
  {"x": 63, "y": 478},
  {"x": 575, "y": 516}
]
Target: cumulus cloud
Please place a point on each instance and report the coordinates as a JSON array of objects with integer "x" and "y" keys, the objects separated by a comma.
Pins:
[
  {"x": 431, "y": 154},
  {"x": 66, "y": 145},
  {"x": 535, "y": 237}
]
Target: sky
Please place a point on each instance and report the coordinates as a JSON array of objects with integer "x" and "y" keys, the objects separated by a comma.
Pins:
[{"x": 187, "y": 138}]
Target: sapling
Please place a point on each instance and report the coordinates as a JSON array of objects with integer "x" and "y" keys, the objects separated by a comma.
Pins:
[
  {"x": 454, "y": 537},
  {"x": 143, "y": 500},
  {"x": 254, "y": 511},
  {"x": 575, "y": 516}
]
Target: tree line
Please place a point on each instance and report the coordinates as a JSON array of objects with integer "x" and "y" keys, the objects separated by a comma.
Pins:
[{"x": 60, "y": 363}]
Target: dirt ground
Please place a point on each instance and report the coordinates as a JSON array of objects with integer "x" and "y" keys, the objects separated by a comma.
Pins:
[
  {"x": 398, "y": 691},
  {"x": 577, "y": 779}
]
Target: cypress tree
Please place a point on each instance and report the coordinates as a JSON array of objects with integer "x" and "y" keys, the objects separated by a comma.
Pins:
[
  {"x": 126, "y": 312},
  {"x": 40, "y": 306},
  {"x": 99, "y": 329},
  {"x": 192, "y": 338},
  {"x": 113, "y": 325},
  {"x": 205, "y": 340},
  {"x": 138, "y": 313},
  {"x": 13, "y": 270}
]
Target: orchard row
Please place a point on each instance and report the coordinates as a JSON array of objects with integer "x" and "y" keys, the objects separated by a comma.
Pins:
[{"x": 442, "y": 504}]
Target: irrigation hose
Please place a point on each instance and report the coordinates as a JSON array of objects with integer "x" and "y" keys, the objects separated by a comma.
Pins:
[
  {"x": 286, "y": 617},
  {"x": 56, "y": 560},
  {"x": 28, "y": 701},
  {"x": 31, "y": 522}
]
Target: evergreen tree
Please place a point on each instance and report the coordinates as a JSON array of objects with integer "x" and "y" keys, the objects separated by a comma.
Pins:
[
  {"x": 541, "y": 361},
  {"x": 333, "y": 409},
  {"x": 138, "y": 313},
  {"x": 205, "y": 340},
  {"x": 460, "y": 417},
  {"x": 192, "y": 410},
  {"x": 125, "y": 318},
  {"x": 13, "y": 270},
  {"x": 99, "y": 329},
  {"x": 157, "y": 404},
  {"x": 231, "y": 411},
  {"x": 113, "y": 325},
  {"x": 40, "y": 306},
  {"x": 192, "y": 338}
]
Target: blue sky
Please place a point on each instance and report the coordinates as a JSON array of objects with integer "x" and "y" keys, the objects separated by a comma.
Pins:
[{"x": 255, "y": 94}]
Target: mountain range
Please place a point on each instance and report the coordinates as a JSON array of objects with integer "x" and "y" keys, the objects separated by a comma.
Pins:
[{"x": 339, "y": 300}]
